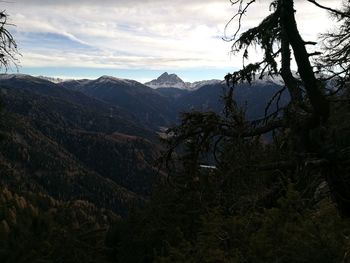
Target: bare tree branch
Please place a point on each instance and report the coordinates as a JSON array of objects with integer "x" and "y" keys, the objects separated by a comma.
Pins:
[
  {"x": 334, "y": 11},
  {"x": 8, "y": 45}
]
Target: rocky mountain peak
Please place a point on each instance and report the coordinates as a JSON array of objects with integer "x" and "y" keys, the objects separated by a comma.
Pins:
[{"x": 167, "y": 80}]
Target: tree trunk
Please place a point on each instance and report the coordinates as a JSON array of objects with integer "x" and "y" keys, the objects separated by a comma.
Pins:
[
  {"x": 312, "y": 85},
  {"x": 335, "y": 173}
]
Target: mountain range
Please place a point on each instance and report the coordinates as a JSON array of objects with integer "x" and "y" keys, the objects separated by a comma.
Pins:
[{"x": 96, "y": 140}]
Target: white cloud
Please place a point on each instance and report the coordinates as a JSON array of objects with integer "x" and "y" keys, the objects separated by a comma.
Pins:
[{"x": 155, "y": 34}]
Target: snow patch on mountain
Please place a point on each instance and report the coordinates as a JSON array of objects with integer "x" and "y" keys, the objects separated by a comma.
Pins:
[
  {"x": 25, "y": 77},
  {"x": 110, "y": 79},
  {"x": 198, "y": 84},
  {"x": 276, "y": 79},
  {"x": 113, "y": 81},
  {"x": 51, "y": 79},
  {"x": 6, "y": 76}
]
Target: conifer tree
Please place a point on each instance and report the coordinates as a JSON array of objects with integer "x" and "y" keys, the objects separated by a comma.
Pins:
[{"x": 304, "y": 123}]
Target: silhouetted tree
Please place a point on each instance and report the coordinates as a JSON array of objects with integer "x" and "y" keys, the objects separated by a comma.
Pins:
[
  {"x": 261, "y": 203},
  {"x": 303, "y": 123},
  {"x": 335, "y": 60},
  {"x": 8, "y": 46}
]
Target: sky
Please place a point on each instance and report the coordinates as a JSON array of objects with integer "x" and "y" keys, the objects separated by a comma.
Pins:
[{"x": 138, "y": 39}]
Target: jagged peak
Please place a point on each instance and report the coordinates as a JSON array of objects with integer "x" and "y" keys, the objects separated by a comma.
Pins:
[
  {"x": 167, "y": 80},
  {"x": 165, "y": 74},
  {"x": 172, "y": 80}
]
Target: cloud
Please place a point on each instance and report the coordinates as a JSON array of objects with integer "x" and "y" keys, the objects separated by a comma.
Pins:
[{"x": 156, "y": 34}]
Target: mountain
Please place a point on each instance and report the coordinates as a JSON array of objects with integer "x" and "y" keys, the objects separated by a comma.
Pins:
[
  {"x": 86, "y": 150},
  {"x": 253, "y": 98},
  {"x": 70, "y": 146},
  {"x": 172, "y": 81},
  {"x": 206, "y": 98},
  {"x": 198, "y": 84},
  {"x": 160, "y": 107},
  {"x": 148, "y": 106},
  {"x": 77, "y": 156},
  {"x": 173, "y": 93},
  {"x": 45, "y": 101},
  {"x": 96, "y": 139},
  {"x": 167, "y": 81},
  {"x": 140, "y": 105}
]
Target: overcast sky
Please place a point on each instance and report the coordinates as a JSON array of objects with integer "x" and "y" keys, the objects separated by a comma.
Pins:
[{"x": 137, "y": 39}]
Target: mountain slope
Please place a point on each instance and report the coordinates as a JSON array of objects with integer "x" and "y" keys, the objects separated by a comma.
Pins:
[
  {"x": 45, "y": 102},
  {"x": 30, "y": 161},
  {"x": 68, "y": 145},
  {"x": 161, "y": 106},
  {"x": 151, "y": 108},
  {"x": 254, "y": 98}
]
